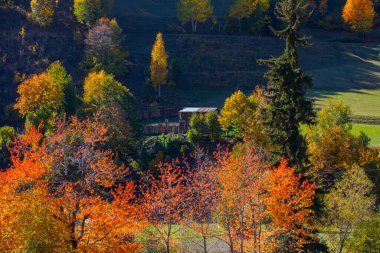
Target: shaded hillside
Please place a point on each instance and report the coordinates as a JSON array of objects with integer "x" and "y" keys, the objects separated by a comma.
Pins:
[
  {"x": 212, "y": 59},
  {"x": 220, "y": 60},
  {"x": 20, "y": 57}
]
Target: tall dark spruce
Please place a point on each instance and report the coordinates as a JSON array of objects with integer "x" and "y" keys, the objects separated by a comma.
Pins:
[{"x": 287, "y": 106}]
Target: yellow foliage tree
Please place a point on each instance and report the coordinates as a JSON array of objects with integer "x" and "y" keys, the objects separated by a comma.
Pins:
[
  {"x": 42, "y": 96},
  {"x": 241, "y": 115},
  {"x": 42, "y": 11},
  {"x": 359, "y": 14},
  {"x": 242, "y": 8},
  {"x": 101, "y": 88},
  {"x": 106, "y": 96},
  {"x": 195, "y": 11},
  {"x": 330, "y": 143},
  {"x": 159, "y": 63},
  {"x": 37, "y": 92}
]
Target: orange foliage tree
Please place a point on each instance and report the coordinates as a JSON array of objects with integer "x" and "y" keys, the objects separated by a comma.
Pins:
[
  {"x": 201, "y": 194},
  {"x": 359, "y": 14},
  {"x": 71, "y": 178},
  {"x": 289, "y": 200},
  {"x": 164, "y": 200},
  {"x": 241, "y": 202}
]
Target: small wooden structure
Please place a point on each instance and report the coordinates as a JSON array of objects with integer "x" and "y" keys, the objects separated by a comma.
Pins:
[
  {"x": 186, "y": 113},
  {"x": 165, "y": 128},
  {"x": 179, "y": 127}
]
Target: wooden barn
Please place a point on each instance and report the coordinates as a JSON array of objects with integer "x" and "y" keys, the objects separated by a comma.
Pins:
[{"x": 186, "y": 113}]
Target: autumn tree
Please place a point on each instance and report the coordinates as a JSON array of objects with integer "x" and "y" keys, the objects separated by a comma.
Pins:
[
  {"x": 204, "y": 128},
  {"x": 240, "y": 116},
  {"x": 159, "y": 64},
  {"x": 241, "y": 9},
  {"x": 194, "y": 11},
  {"x": 349, "y": 202},
  {"x": 89, "y": 11},
  {"x": 289, "y": 205},
  {"x": 240, "y": 202},
  {"x": 286, "y": 104},
  {"x": 42, "y": 11},
  {"x": 42, "y": 96},
  {"x": 359, "y": 15},
  {"x": 101, "y": 92},
  {"x": 104, "y": 48},
  {"x": 60, "y": 187},
  {"x": 84, "y": 173},
  {"x": 164, "y": 201},
  {"x": 61, "y": 78},
  {"x": 201, "y": 195},
  {"x": 331, "y": 145}
]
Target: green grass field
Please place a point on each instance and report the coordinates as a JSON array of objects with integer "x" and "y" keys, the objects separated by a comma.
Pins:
[
  {"x": 363, "y": 102},
  {"x": 372, "y": 131}
]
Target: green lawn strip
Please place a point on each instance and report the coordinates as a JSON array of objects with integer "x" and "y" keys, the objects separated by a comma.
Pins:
[
  {"x": 372, "y": 131},
  {"x": 363, "y": 102}
]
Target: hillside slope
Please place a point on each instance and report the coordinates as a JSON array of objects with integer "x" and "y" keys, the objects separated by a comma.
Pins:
[{"x": 337, "y": 60}]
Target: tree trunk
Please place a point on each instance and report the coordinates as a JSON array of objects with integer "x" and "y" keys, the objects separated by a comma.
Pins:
[
  {"x": 232, "y": 248},
  {"x": 231, "y": 242},
  {"x": 341, "y": 240},
  {"x": 259, "y": 238},
  {"x": 204, "y": 238},
  {"x": 74, "y": 244},
  {"x": 159, "y": 91},
  {"x": 168, "y": 238},
  {"x": 204, "y": 244}
]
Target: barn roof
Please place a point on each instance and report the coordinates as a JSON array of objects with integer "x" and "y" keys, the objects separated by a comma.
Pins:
[{"x": 198, "y": 109}]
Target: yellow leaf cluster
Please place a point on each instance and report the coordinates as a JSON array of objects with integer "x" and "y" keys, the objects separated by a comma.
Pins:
[
  {"x": 241, "y": 114},
  {"x": 194, "y": 10},
  {"x": 39, "y": 92},
  {"x": 359, "y": 14},
  {"x": 100, "y": 87},
  {"x": 159, "y": 62}
]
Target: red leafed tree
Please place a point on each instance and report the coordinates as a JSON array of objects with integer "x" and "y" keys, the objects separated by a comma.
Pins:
[
  {"x": 71, "y": 179},
  {"x": 164, "y": 200},
  {"x": 289, "y": 201}
]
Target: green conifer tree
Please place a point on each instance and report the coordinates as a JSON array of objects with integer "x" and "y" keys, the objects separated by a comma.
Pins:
[{"x": 287, "y": 106}]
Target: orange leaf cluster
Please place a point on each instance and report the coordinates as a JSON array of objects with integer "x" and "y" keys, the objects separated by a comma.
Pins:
[
  {"x": 71, "y": 180},
  {"x": 359, "y": 14}
]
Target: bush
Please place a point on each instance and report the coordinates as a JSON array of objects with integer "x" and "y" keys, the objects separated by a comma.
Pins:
[
  {"x": 204, "y": 128},
  {"x": 366, "y": 237},
  {"x": 163, "y": 148}
]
